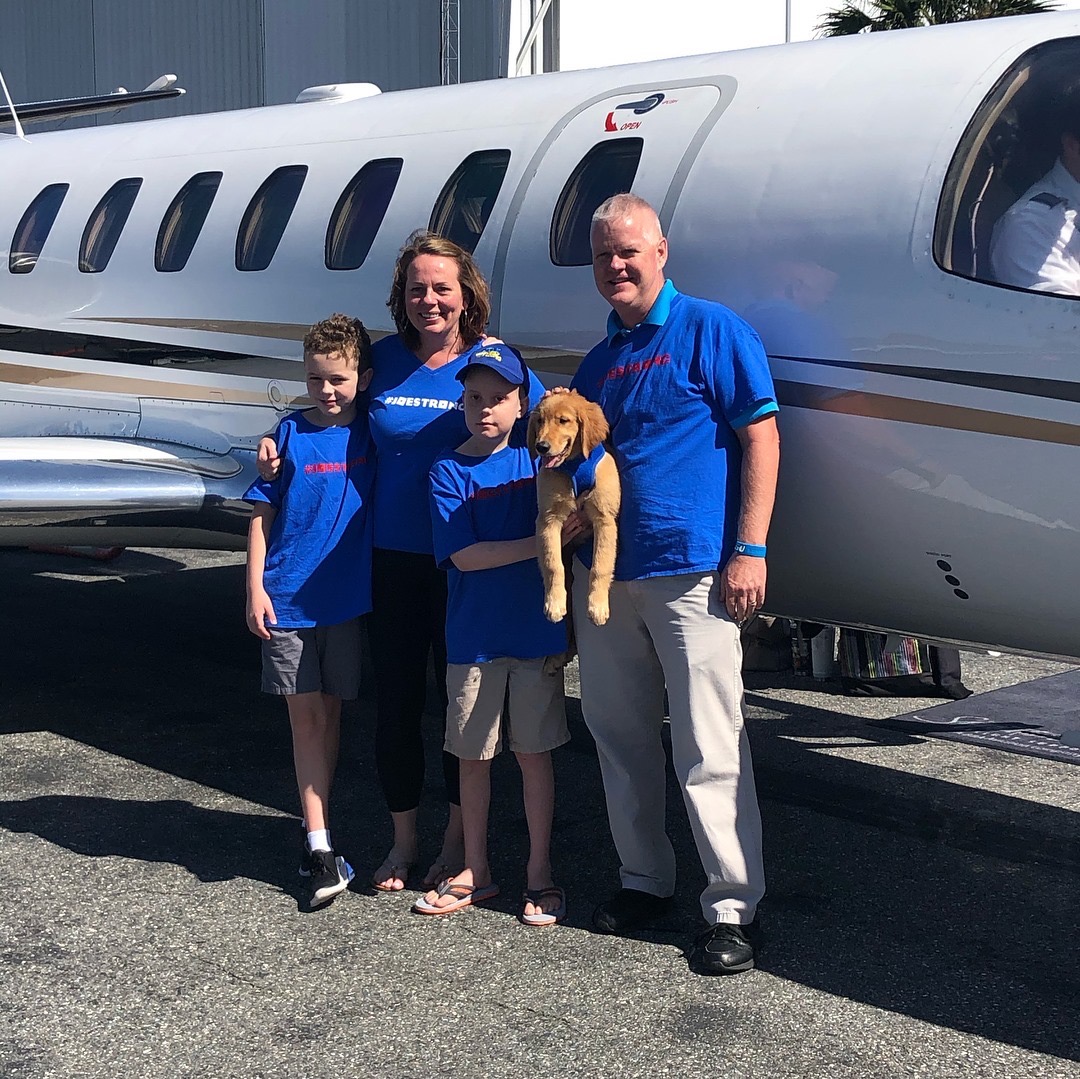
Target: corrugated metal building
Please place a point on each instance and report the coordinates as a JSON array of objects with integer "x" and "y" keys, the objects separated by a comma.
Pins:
[{"x": 232, "y": 54}]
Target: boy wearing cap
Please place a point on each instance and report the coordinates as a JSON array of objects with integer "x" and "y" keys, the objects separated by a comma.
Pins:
[{"x": 483, "y": 509}]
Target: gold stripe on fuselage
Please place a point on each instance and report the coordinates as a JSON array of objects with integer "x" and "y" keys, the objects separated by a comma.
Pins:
[
  {"x": 131, "y": 385},
  {"x": 276, "y": 331},
  {"x": 789, "y": 394},
  {"x": 553, "y": 360},
  {"x": 877, "y": 406}
]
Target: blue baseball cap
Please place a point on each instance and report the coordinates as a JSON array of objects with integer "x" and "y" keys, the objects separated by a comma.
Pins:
[{"x": 500, "y": 358}]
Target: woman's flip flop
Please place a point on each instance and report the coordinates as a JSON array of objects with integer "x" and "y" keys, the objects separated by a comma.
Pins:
[
  {"x": 464, "y": 895},
  {"x": 536, "y": 896},
  {"x": 394, "y": 871}
]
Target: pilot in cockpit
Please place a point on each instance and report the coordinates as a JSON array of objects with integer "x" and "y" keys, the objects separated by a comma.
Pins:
[{"x": 1036, "y": 244}]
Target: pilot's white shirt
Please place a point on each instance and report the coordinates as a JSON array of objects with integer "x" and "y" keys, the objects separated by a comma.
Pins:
[{"x": 1036, "y": 245}]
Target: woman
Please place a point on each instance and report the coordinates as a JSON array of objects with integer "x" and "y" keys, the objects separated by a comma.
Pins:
[{"x": 440, "y": 304}]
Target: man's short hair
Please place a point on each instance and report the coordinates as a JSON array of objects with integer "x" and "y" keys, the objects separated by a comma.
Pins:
[
  {"x": 619, "y": 206},
  {"x": 342, "y": 334}
]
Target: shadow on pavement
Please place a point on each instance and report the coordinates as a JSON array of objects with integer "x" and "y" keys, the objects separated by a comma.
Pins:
[
  {"x": 160, "y": 670},
  {"x": 212, "y": 844},
  {"x": 985, "y": 822}
]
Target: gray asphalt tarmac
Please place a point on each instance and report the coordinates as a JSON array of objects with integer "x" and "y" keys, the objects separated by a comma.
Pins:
[{"x": 921, "y": 919}]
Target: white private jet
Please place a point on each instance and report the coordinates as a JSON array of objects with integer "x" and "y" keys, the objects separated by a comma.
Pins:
[{"x": 840, "y": 194}]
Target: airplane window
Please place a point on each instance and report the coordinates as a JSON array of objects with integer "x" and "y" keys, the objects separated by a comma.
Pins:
[
  {"x": 183, "y": 221},
  {"x": 359, "y": 213},
  {"x": 105, "y": 225},
  {"x": 266, "y": 217},
  {"x": 1011, "y": 198},
  {"x": 34, "y": 227},
  {"x": 465, "y": 203},
  {"x": 606, "y": 170}
]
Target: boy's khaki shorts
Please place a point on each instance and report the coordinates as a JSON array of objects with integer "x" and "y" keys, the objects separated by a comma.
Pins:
[{"x": 475, "y": 720}]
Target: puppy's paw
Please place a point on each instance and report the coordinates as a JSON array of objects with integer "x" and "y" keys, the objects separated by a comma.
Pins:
[
  {"x": 599, "y": 612},
  {"x": 555, "y": 606}
]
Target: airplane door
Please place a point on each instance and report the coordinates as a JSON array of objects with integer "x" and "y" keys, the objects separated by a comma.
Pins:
[{"x": 644, "y": 139}]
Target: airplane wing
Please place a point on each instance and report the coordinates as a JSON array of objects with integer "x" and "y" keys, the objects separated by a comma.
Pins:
[
  {"x": 37, "y": 112},
  {"x": 71, "y": 490}
]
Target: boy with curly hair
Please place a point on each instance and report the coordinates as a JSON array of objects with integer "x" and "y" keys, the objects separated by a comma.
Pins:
[{"x": 309, "y": 573}]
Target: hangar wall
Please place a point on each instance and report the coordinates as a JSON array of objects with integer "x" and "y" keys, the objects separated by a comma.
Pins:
[{"x": 232, "y": 54}]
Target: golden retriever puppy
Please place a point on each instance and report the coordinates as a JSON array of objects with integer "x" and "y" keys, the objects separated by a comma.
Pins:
[{"x": 564, "y": 430}]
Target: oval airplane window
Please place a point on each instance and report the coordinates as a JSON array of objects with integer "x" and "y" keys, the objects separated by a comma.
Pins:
[
  {"x": 34, "y": 228},
  {"x": 1011, "y": 198},
  {"x": 183, "y": 221},
  {"x": 359, "y": 213},
  {"x": 607, "y": 169},
  {"x": 105, "y": 225},
  {"x": 465, "y": 203},
  {"x": 267, "y": 214}
]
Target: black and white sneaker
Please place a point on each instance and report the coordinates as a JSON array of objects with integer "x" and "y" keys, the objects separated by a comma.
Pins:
[
  {"x": 305, "y": 856},
  {"x": 330, "y": 874}
]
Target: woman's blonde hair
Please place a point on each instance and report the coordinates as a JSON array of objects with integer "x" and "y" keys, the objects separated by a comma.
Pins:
[{"x": 474, "y": 289}]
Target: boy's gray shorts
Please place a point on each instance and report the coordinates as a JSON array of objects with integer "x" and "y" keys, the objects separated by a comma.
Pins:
[{"x": 310, "y": 660}]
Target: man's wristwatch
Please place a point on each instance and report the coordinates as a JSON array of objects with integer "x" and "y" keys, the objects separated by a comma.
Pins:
[{"x": 753, "y": 550}]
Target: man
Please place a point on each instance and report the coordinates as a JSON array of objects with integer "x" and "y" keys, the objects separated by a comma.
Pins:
[
  {"x": 685, "y": 386},
  {"x": 1036, "y": 244}
]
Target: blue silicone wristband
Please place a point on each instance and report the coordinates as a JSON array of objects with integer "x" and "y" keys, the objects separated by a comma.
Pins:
[{"x": 754, "y": 550}]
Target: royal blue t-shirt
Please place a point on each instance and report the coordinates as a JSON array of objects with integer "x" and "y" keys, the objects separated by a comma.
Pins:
[
  {"x": 318, "y": 561},
  {"x": 416, "y": 414},
  {"x": 675, "y": 389},
  {"x": 498, "y": 612}
]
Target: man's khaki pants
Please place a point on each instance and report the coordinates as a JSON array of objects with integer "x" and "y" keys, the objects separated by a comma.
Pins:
[{"x": 673, "y": 631}]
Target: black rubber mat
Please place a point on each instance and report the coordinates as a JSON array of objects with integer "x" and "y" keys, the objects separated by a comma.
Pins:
[{"x": 1030, "y": 718}]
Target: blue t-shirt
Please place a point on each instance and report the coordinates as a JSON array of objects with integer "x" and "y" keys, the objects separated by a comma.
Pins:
[
  {"x": 318, "y": 561},
  {"x": 416, "y": 414},
  {"x": 491, "y": 613},
  {"x": 675, "y": 389}
]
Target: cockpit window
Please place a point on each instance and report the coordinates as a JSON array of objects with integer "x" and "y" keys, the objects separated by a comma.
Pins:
[
  {"x": 465, "y": 203},
  {"x": 34, "y": 227},
  {"x": 183, "y": 221},
  {"x": 105, "y": 225},
  {"x": 267, "y": 215},
  {"x": 1009, "y": 207}
]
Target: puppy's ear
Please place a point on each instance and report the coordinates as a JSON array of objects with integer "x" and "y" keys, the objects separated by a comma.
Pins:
[
  {"x": 534, "y": 426},
  {"x": 594, "y": 426}
]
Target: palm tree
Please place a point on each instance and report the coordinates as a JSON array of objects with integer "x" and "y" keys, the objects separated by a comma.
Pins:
[{"x": 866, "y": 16}]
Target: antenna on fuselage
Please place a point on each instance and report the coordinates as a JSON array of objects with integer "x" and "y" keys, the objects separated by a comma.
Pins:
[{"x": 14, "y": 115}]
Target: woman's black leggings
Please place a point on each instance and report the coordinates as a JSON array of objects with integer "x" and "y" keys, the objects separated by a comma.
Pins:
[{"x": 407, "y": 622}]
